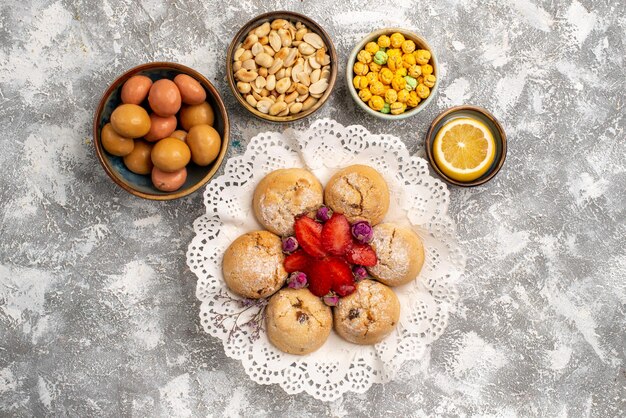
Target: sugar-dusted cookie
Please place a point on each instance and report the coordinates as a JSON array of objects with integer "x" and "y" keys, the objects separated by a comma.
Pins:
[
  {"x": 284, "y": 194},
  {"x": 368, "y": 315},
  {"x": 253, "y": 265},
  {"x": 297, "y": 321},
  {"x": 400, "y": 254},
  {"x": 359, "y": 192}
]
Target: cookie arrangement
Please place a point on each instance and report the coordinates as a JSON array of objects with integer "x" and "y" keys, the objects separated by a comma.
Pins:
[{"x": 325, "y": 261}]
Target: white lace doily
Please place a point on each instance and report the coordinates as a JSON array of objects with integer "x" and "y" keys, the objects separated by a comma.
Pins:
[{"x": 418, "y": 200}]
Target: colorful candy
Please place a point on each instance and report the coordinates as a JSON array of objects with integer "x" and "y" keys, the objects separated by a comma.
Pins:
[{"x": 391, "y": 75}]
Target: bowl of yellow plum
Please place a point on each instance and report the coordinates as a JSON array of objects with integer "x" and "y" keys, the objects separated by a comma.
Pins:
[{"x": 392, "y": 73}]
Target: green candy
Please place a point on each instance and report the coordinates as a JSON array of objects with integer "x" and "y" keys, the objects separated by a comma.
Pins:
[
  {"x": 380, "y": 58},
  {"x": 411, "y": 83},
  {"x": 386, "y": 108}
]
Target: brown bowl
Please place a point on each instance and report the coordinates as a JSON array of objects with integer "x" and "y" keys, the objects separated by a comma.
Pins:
[
  {"x": 292, "y": 17},
  {"x": 488, "y": 119},
  {"x": 140, "y": 185}
]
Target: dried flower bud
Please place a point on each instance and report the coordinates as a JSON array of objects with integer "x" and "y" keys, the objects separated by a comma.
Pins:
[
  {"x": 362, "y": 231},
  {"x": 297, "y": 280},
  {"x": 331, "y": 299},
  {"x": 323, "y": 214},
  {"x": 359, "y": 273},
  {"x": 290, "y": 244}
]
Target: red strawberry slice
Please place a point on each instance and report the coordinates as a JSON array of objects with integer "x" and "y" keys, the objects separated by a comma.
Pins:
[
  {"x": 298, "y": 261},
  {"x": 319, "y": 278},
  {"x": 308, "y": 233},
  {"x": 361, "y": 254},
  {"x": 336, "y": 237},
  {"x": 341, "y": 275}
]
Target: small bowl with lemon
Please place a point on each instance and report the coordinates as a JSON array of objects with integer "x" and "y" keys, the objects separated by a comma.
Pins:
[{"x": 466, "y": 146}]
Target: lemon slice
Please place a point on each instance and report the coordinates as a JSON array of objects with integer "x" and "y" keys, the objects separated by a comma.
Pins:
[{"x": 464, "y": 149}]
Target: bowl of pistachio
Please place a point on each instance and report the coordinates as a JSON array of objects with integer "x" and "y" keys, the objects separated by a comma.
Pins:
[{"x": 392, "y": 73}]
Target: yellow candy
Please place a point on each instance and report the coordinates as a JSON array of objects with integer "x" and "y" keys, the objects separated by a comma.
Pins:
[
  {"x": 360, "y": 82},
  {"x": 422, "y": 91},
  {"x": 386, "y": 75},
  {"x": 408, "y": 60},
  {"x": 372, "y": 47},
  {"x": 427, "y": 69},
  {"x": 371, "y": 77},
  {"x": 376, "y": 102},
  {"x": 384, "y": 41},
  {"x": 401, "y": 72},
  {"x": 420, "y": 79},
  {"x": 360, "y": 68},
  {"x": 403, "y": 96},
  {"x": 398, "y": 83},
  {"x": 391, "y": 96},
  {"x": 397, "y": 108},
  {"x": 365, "y": 95},
  {"x": 377, "y": 88},
  {"x": 394, "y": 62},
  {"x": 375, "y": 67},
  {"x": 394, "y": 52},
  {"x": 415, "y": 71},
  {"x": 408, "y": 46},
  {"x": 429, "y": 81},
  {"x": 396, "y": 40},
  {"x": 422, "y": 56},
  {"x": 414, "y": 100},
  {"x": 364, "y": 57}
]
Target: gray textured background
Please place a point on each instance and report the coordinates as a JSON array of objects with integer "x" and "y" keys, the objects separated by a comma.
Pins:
[{"x": 97, "y": 307}]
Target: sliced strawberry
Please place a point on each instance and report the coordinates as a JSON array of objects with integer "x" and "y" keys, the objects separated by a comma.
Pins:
[
  {"x": 361, "y": 254},
  {"x": 319, "y": 278},
  {"x": 308, "y": 233},
  {"x": 298, "y": 261},
  {"x": 341, "y": 276},
  {"x": 336, "y": 237}
]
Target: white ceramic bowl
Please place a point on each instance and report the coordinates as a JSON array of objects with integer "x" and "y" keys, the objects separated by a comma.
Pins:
[{"x": 421, "y": 43}]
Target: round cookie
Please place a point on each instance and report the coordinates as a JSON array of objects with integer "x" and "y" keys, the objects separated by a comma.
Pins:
[
  {"x": 359, "y": 192},
  {"x": 368, "y": 315},
  {"x": 253, "y": 265},
  {"x": 284, "y": 194},
  {"x": 400, "y": 254},
  {"x": 298, "y": 322}
]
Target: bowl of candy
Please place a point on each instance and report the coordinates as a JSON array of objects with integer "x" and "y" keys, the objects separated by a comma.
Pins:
[{"x": 392, "y": 73}]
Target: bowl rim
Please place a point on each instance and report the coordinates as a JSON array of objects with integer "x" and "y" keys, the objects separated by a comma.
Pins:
[
  {"x": 373, "y": 35},
  {"x": 267, "y": 17},
  {"x": 429, "y": 139},
  {"x": 221, "y": 108}
]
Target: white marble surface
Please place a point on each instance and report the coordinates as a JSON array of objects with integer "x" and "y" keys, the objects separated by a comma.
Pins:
[{"x": 97, "y": 309}]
